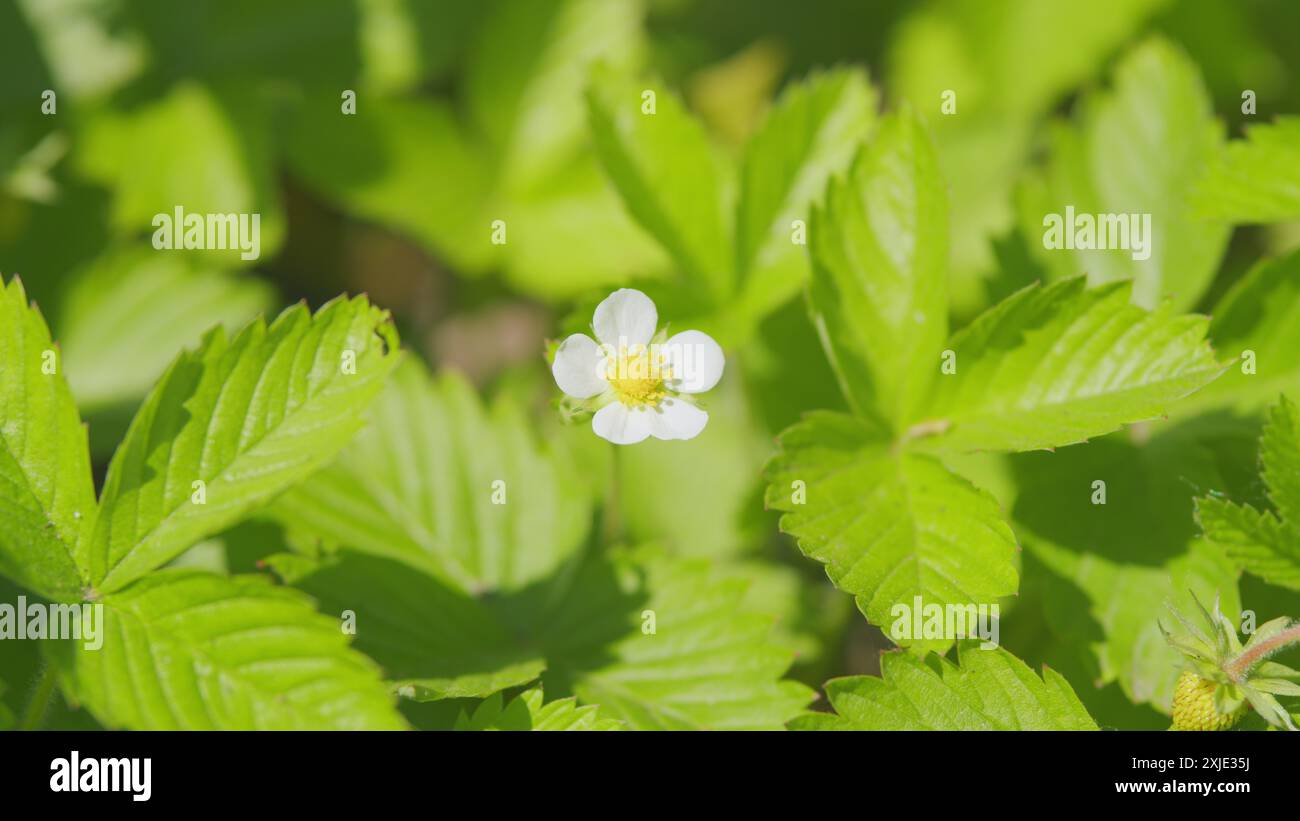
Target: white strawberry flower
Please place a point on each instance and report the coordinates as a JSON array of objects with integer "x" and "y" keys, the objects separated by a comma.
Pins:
[{"x": 639, "y": 383}]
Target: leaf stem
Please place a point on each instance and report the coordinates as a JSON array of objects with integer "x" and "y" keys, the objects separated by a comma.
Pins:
[{"x": 1242, "y": 664}]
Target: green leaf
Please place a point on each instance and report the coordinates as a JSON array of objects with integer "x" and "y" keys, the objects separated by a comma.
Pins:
[
  {"x": 1058, "y": 365},
  {"x": 573, "y": 236},
  {"x": 411, "y": 165},
  {"x": 294, "y": 41},
  {"x": 135, "y": 305},
  {"x": 879, "y": 290},
  {"x": 439, "y": 483},
  {"x": 710, "y": 663},
  {"x": 710, "y": 486},
  {"x": 195, "y": 651},
  {"x": 525, "y": 77},
  {"x": 46, "y": 493},
  {"x": 7, "y": 719},
  {"x": 1265, "y": 543},
  {"x": 403, "y": 163},
  {"x": 1138, "y": 149},
  {"x": 248, "y": 416},
  {"x": 986, "y": 690},
  {"x": 889, "y": 525},
  {"x": 1110, "y": 568},
  {"x": 193, "y": 149},
  {"x": 1256, "y": 179},
  {"x": 658, "y": 643},
  {"x": 431, "y": 639},
  {"x": 665, "y": 168},
  {"x": 1005, "y": 68},
  {"x": 530, "y": 711},
  {"x": 1254, "y": 539},
  {"x": 1017, "y": 59},
  {"x": 810, "y": 135},
  {"x": 1260, "y": 314}
]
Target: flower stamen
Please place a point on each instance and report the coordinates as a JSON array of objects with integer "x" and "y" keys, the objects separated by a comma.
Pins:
[{"x": 637, "y": 376}]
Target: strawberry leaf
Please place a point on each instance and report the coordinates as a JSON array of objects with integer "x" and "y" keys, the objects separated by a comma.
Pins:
[
  {"x": 879, "y": 289},
  {"x": 524, "y": 79},
  {"x": 1138, "y": 149},
  {"x": 432, "y": 640},
  {"x": 1265, "y": 543},
  {"x": 1058, "y": 365},
  {"x": 986, "y": 690},
  {"x": 1256, "y": 180},
  {"x": 530, "y": 711},
  {"x": 437, "y": 481},
  {"x": 1258, "y": 323},
  {"x": 46, "y": 494},
  {"x": 246, "y": 416},
  {"x": 191, "y": 650},
  {"x": 665, "y": 168},
  {"x": 811, "y": 134},
  {"x": 137, "y": 306},
  {"x": 1112, "y": 555},
  {"x": 705, "y": 662},
  {"x": 888, "y": 525}
]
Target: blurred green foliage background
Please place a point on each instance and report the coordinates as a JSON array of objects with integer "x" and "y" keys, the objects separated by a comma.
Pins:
[{"x": 469, "y": 112}]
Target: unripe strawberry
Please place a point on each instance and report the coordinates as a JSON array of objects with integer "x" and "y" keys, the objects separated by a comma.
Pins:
[
  {"x": 1194, "y": 705},
  {"x": 1223, "y": 677}
]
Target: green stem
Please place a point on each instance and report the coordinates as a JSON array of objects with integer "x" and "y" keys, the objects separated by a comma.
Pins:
[
  {"x": 1241, "y": 665},
  {"x": 34, "y": 715}
]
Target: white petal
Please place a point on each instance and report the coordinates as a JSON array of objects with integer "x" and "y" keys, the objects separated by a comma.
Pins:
[
  {"x": 577, "y": 367},
  {"x": 620, "y": 424},
  {"x": 677, "y": 419},
  {"x": 626, "y": 317},
  {"x": 696, "y": 361}
]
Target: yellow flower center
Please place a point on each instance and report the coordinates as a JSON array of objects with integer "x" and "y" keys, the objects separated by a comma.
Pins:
[{"x": 637, "y": 376}]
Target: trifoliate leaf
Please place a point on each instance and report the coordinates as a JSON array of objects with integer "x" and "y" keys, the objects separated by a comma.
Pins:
[
  {"x": 665, "y": 168},
  {"x": 889, "y": 525},
  {"x": 1256, "y": 179},
  {"x": 986, "y": 690},
  {"x": 440, "y": 483},
  {"x": 658, "y": 643},
  {"x": 233, "y": 424},
  {"x": 46, "y": 493},
  {"x": 810, "y": 135},
  {"x": 1265, "y": 543},
  {"x": 1058, "y": 365},
  {"x": 879, "y": 290},
  {"x": 530, "y": 711},
  {"x": 191, "y": 650},
  {"x": 1138, "y": 149},
  {"x": 141, "y": 307}
]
